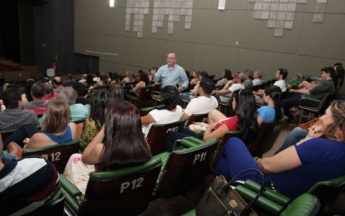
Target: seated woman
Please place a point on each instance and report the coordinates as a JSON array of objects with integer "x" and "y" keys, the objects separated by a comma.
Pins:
[
  {"x": 171, "y": 113},
  {"x": 195, "y": 77},
  {"x": 243, "y": 103},
  {"x": 227, "y": 75},
  {"x": 294, "y": 170},
  {"x": 56, "y": 128},
  {"x": 116, "y": 91},
  {"x": 119, "y": 144},
  {"x": 245, "y": 120},
  {"x": 49, "y": 92},
  {"x": 143, "y": 81},
  {"x": 128, "y": 78},
  {"x": 273, "y": 110},
  {"x": 96, "y": 118}
]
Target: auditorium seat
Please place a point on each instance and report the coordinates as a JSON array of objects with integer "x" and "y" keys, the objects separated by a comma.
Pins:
[{"x": 122, "y": 192}]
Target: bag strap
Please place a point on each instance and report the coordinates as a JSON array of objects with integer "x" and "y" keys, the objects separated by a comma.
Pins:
[{"x": 223, "y": 190}]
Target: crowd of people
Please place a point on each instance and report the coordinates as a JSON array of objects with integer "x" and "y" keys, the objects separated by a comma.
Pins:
[{"x": 113, "y": 134}]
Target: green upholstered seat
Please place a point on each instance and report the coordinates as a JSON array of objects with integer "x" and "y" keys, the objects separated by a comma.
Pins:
[
  {"x": 124, "y": 191},
  {"x": 331, "y": 194},
  {"x": 185, "y": 168},
  {"x": 143, "y": 98},
  {"x": 57, "y": 154},
  {"x": 157, "y": 133},
  {"x": 321, "y": 106},
  {"x": 54, "y": 206}
]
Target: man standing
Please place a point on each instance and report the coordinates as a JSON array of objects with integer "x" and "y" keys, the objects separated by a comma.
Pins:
[{"x": 172, "y": 74}]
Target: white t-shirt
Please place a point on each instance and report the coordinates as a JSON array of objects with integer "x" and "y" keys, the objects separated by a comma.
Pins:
[
  {"x": 232, "y": 88},
  {"x": 201, "y": 105},
  {"x": 163, "y": 117},
  {"x": 281, "y": 84}
]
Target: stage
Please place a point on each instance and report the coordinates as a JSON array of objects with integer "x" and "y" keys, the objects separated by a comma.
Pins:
[{"x": 11, "y": 71}]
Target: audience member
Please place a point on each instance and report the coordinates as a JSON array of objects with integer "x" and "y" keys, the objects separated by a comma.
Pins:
[
  {"x": 83, "y": 78},
  {"x": 152, "y": 74},
  {"x": 326, "y": 86},
  {"x": 227, "y": 75},
  {"x": 49, "y": 92},
  {"x": 172, "y": 113},
  {"x": 257, "y": 78},
  {"x": 128, "y": 78},
  {"x": 56, "y": 128},
  {"x": 95, "y": 121},
  {"x": 195, "y": 77},
  {"x": 294, "y": 170},
  {"x": 13, "y": 117},
  {"x": 248, "y": 77},
  {"x": 57, "y": 83},
  {"x": 116, "y": 91},
  {"x": 119, "y": 144},
  {"x": 231, "y": 86},
  {"x": 96, "y": 78},
  {"x": 38, "y": 104},
  {"x": 143, "y": 81},
  {"x": 172, "y": 74},
  {"x": 81, "y": 91},
  {"x": 273, "y": 110},
  {"x": 25, "y": 184},
  {"x": 204, "y": 103},
  {"x": 69, "y": 82}
]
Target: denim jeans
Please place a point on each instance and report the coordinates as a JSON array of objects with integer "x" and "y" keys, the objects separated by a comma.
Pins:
[{"x": 294, "y": 137}]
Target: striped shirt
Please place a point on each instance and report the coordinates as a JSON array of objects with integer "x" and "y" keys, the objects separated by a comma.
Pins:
[{"x": 26, "y": 184}]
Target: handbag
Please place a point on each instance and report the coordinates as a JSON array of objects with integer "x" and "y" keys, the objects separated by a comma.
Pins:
[
  {"x": 221, "y": 199},
  {"x": 197, "y": 127}
]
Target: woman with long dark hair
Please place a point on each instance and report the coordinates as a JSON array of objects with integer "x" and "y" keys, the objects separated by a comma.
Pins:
[
  {"x": 243, "y": 103},
  {"x": 95, "y": 121},
  {"x": 119, "y": 144},
  {"x": 143, "y": 81},
  {"x": 273, "y": 110}
]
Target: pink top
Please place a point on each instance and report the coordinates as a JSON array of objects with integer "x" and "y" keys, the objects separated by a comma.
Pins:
[{"x": 48, "y": 97}]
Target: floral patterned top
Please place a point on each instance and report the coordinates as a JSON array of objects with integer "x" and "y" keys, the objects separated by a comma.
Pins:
[{"x": 89, "y": 133}]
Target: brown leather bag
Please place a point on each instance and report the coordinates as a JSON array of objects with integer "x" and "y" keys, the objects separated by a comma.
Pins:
[{"x": 221, "y": 199}]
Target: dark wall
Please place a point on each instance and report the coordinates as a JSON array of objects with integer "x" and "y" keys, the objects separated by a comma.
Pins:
[
  {"x": 9, "y": 31},
  {"x": 54, "y": 26}
]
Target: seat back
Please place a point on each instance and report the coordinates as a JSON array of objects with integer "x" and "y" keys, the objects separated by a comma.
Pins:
[
  {"x": 121, "y": 192},
  {"x": 197, "y": 118},
  {"x": 221, "y": 144},
  {"x": 144, "y": 94},
  {"x": 268, "y": 134},
  {"x": 57, "y": 154},
  {"x": 331, "y": 194},
  {"x": 54, "y": 206},
  {"x": 186, "y": 168},
  {"x": 6, "y": 133},
  {"x": 156, "y": 135}
]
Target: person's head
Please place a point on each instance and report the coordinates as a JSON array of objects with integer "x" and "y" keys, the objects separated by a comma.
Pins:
[
  {"x": 89, "y": 79},
  {"x": 83, "y": 76},
  {"x": 48, "y": 89},
  {"x": 110, "y": 75},
  {"x": 99, "y": 101},
  {"x": 37, "y": 91},
  {"x": 58, "y": 116},
  {"x": 116, "y": 91},
  {"x": 69, "y": 94},
  {"x": 129, "y": 75},
  {"x": 144, "y": 78},
  {"x": 171, "y": 59},
  {"x": 238, "y": 78},
  {"x": 124, "y": 143},
  {"x": 248, "y": 74},
  {"x": 227, "y": 74},
  {"x": 45, "y": 79},
  {"x": 79, "y": 88},
  {"x": 170, "y": 97},
  {"x": 57, "y": 82},
  {"x": 257, "y": 75},
  {"x": 281, "y": 74},
  {"x": 207, "y": 86},
  {"x": 273, "y": 93},
  {"x": 245, "y": 109},
  {"x": 104, "y": 78},
  {"x": 97, "y": 74},
  {"x": 153, "y": 70},
  {"x": 12, "y": 99},
  {"x": 70, "y": 77},
  {"x": 327, "y": 73},
  {"x": 338, "y": 64},
  {"x": 203, "y": 74},
  {"x": 196, "y": 74},
  {"x": 333, "y": 121}
]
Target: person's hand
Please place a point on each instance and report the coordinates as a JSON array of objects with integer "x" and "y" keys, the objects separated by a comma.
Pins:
[
  {"x": 180, "y": 89},
  {"x": 292, "y": 90},
  {"x": 316, "y": 130},
  {"x": 26, "y": 140}
]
